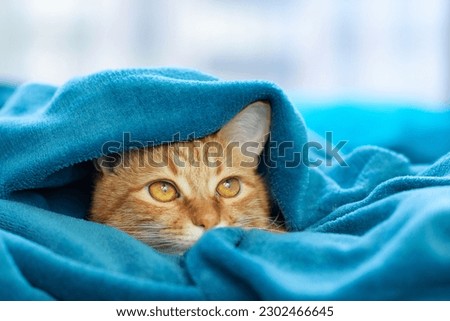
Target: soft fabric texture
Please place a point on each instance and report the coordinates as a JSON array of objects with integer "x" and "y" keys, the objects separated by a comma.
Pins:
[{"x": 375, "y": 227}]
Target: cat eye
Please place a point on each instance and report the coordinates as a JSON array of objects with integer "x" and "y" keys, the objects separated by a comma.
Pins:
[
  {"x": 229, "y": 187},
  {"x": 163, "y": 191}
]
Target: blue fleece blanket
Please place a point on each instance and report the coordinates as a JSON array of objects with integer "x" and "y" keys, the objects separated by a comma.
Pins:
[{"x": 374, "y": 224}]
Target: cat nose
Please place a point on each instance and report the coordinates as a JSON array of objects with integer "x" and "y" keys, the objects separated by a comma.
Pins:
[{"x": 206, "y": 221}]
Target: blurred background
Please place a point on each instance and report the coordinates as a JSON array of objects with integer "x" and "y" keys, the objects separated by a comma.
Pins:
[{"x": 396, "y": 50}]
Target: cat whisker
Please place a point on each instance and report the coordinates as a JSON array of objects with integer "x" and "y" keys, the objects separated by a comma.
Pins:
[
  {"x": 164, "y": 242},
  {"x": 263, "y": 223},
  {"x": 171, "y": 247}
]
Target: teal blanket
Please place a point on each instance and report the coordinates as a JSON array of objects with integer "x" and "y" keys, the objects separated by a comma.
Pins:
[{"x": 366, "y": 222}]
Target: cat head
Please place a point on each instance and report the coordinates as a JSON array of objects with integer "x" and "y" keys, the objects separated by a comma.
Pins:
[{"x": 168, "y": 196}]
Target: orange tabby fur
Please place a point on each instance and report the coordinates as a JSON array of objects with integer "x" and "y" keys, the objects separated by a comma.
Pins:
[{"x": 121, "y": 197}]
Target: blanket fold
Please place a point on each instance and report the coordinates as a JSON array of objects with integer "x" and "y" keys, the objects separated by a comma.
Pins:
[{"x": 359, "y": 217}]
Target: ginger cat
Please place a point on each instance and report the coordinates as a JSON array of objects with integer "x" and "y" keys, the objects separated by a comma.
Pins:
[{"x": 168, "y": 196}]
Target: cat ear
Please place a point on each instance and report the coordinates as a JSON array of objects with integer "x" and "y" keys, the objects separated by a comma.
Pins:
[
  {"x": 251, "y": 125},
  {"x": 107, "y": 164}
]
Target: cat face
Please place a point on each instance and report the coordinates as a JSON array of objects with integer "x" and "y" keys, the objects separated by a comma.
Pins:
[{"x": 168, "y": 196}]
